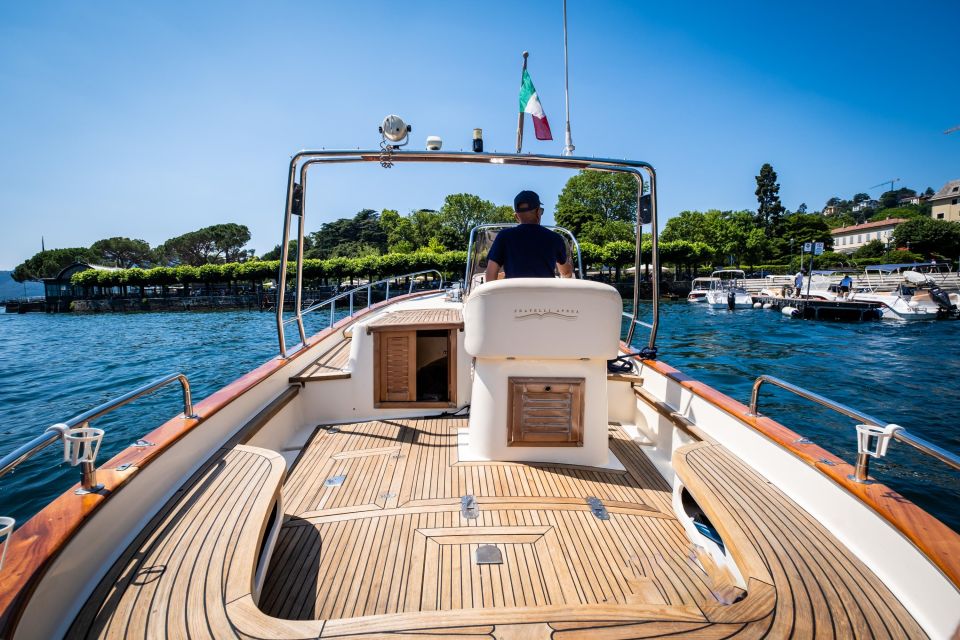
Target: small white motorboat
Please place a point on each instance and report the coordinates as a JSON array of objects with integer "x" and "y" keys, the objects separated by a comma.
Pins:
[
  {"x": 727, "y": 291},
  {"x": 699, "y": 288}
]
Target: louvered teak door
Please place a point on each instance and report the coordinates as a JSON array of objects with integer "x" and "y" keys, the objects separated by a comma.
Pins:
[
  {"x": 545, "y": 412},
  {"x": 397, "y": 366}
]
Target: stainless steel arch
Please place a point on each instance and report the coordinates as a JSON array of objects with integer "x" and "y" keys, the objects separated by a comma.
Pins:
[{"x": 304, "y": 159}]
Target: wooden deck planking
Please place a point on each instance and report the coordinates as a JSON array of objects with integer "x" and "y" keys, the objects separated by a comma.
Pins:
[
  {"x": 419, "y": 319},
  {"x": 350, "y": 560},
  {"x": 821, "y": 588},
  {"x": 178, "y": 577},
  {"x": 578, "y": 560}
]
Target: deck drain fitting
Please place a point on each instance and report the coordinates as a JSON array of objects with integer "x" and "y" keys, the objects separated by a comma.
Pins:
[
  {"x": 335, "y": 481},
  {"x": 489, "y": 554},
  {"x": 468, "y": 507},
  {"x": 597, "y": 508}
]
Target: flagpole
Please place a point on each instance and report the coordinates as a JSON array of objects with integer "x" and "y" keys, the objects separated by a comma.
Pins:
[
  {"x": 520, "y": 115},
  {"x": 568, "y": 149}
]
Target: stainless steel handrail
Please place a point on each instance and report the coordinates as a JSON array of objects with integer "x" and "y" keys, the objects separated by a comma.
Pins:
[
  {"x": 332, "y": 302},
  {"x": 87, "y": 471},
  {"x": 863, "y": 459},
  {"x": 307, "y": 158}
]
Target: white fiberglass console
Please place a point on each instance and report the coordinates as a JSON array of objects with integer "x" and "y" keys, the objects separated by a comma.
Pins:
[{"x": 539, "y": 390}]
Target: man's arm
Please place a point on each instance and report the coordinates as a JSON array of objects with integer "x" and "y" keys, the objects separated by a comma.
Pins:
[
  {"x": 566, "y": 268},
  {"x": 492, "y": 272}
]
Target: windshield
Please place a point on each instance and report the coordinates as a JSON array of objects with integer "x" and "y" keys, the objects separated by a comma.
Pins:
[{"x": 481, "y": 239}]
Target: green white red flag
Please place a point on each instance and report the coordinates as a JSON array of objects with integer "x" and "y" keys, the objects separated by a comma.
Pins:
[{"x": 530, "y": 103}]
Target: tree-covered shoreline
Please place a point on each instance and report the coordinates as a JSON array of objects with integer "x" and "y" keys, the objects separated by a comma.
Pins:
[{"x": 599, "y": 208}]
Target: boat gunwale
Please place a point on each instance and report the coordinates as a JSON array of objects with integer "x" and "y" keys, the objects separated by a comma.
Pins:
[
  {"x": 37, "y": 544},
  {"x": 934, "y": 539}
]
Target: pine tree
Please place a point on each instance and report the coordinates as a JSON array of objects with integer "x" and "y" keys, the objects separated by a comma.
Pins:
[{"x": 770, "y": 212}]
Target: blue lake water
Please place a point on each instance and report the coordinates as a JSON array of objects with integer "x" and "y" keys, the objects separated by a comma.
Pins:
[{"x": 55, "y": 366}]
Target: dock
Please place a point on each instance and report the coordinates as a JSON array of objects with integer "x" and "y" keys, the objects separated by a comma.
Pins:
[{"x": 818, "y": 309}]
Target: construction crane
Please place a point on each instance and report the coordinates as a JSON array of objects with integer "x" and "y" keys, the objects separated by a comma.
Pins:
[
  {"x": 952, "y": 129},
  {"x": 889, "y": 182}
]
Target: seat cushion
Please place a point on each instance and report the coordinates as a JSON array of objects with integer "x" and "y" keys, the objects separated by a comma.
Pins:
[{"x": 543, "y": 318}]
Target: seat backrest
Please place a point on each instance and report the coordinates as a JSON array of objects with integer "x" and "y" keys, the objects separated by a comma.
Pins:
[{"x": 542, "y": 318}]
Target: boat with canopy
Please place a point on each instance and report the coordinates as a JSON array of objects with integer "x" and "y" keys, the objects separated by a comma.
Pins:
[{"x": 496, "y": 459}]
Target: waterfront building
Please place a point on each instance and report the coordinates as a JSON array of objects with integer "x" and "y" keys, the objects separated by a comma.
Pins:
[
  {"x": 849, "y": 239},
  {"x": 945, "y": 204},
  {"x": 60, "y": 290}
]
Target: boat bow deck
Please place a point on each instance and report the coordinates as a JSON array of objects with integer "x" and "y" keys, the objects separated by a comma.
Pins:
[{"x": 374, "y": 542}]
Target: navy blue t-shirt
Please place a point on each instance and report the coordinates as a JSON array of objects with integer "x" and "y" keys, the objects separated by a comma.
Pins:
[{"x": 528, "y": 251}]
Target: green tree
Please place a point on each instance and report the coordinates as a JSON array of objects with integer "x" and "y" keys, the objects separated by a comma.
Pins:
[
  {"x": 802, "y": 208},
  {"x": 591, "y": 196},
  {"x": 937, "y": 238},
  {"x": 891, "y": 199},
  {"x": 274, "y": 254},
  {"x": 47, "y": 264},
  {"x": 801, "y": 228},
  {"x": 909, "y": 211},
  {"x": 873, "y": 249},
  {"x": 860, "y": 197},
  {"x": 770, "y": 210},
  {"x": 122, "y": 252},
  {"x": 601, "y": 233},
  {"x": 229, "y": 241},
  {"x": 349, "y": 237},
  {"x": 213, "y": 244},
  {"x": 461, "y": 212}
]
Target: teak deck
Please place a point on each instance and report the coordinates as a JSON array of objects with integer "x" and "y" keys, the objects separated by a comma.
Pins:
[{"x": 387, "y": 551}]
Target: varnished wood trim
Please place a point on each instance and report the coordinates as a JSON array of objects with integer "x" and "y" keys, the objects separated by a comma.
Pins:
[
  {"x": 423, "y": 326},
  {"x": 34, "y": 546},
  {"x": 935, "y": 539}
]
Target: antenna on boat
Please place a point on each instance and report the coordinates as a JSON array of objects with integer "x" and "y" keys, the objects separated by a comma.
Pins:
[{"x": 568, "y": 147}]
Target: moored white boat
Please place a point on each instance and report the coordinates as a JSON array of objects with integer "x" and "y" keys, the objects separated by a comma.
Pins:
[
  {"x": 727, "y": 291},
  {"x": 468, "y": 462},
  {"x": 699, "y": 288},
  {"x": 916, "y": 297}
]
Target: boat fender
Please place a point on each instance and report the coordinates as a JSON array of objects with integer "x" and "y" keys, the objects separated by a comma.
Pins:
[
  {"x": 757, "y": 305},
  {"x": 767, "y": 305},
  {"x": 793, "y": 312}
]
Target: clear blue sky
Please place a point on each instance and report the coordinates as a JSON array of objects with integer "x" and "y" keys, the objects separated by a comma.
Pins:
[{"x": 124, "y": 119}]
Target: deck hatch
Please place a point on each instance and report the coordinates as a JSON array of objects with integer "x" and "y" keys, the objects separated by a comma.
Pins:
[{"x": 489, "y": 554}]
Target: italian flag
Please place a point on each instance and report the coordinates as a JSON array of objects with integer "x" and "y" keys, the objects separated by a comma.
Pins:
[{"x": 530, "y": 103}]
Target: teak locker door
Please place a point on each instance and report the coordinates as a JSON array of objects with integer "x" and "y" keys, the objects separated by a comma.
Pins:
[{"x": 397, "y": 355}]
